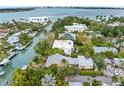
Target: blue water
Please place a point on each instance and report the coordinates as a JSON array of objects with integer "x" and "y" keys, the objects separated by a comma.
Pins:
[
  {"x": 60, "y": 12},
  {"x": 26, "y": 56}
]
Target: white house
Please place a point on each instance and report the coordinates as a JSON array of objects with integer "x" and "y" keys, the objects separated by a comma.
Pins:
[
  {"x": 66, "y": 45},
  {"x": 14, "y": 38},
  {"x": 85, "y": 63},
  {"x": 42, "y": 19},
  {"x": 104, "y": 49},
  {"x": 76, "y": 27}
]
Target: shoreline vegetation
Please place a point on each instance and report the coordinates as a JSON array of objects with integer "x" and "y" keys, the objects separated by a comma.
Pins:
[{"x": 13, "y": 10}]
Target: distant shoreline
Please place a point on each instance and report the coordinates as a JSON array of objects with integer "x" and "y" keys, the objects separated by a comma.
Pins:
[
  {"x": 13, "y": 10},
  {"x": 86, "y": 7}
]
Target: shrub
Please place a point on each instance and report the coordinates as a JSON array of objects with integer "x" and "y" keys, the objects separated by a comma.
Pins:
[
  {"x": 96, "y": 83},
  {"x": 86, "y": 83},
  {"x": 114, "y": 79}
]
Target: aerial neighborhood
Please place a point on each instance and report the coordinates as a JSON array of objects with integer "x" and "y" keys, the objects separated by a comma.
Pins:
[{"x": 75, "y": 52}]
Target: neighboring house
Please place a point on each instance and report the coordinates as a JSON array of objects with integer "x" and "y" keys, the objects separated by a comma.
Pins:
[
  {"x": 67, "y": 35},
  {"x": 81, "y": 61},
  {"x": 85, "y": 63},
  {"x": 76, "y": 27},
  {"x": 66, "y": 45},
  {"x": 116, "y": 24},
  {"x": 114, "y": 61},
  {"x": 3, "y": 32},
  {"x": 104, "y": 49},
  {"x": 42, "y": 19},
  {"x": 14, "y": 38}
]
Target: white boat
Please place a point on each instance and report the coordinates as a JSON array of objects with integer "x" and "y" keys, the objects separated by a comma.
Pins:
[
  {"x": 12, "y": 54},
  {"x": 24, "y": 67},
  {"x": 4, "y": 62},
  {"x": 1, "y": 72}
]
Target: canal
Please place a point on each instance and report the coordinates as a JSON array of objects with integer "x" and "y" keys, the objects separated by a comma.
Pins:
[{"x": 23, "y": 57}]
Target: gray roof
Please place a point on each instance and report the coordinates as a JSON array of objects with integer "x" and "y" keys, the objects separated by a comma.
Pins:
[
  {"x": 57, "y": 58},
  {"x": 104, "y": 49}
]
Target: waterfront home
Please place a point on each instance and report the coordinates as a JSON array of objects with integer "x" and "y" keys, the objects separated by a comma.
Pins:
[
  {"x": 67, "y": 35},
  {"x": 85, "y": 63},
  {"x": 42, "y": 19},
  {"x": 75, "y": 27},
  {"x": 80, "y": 61},
  {"x": 66, "y": 45},
  {"x": 12, "y": 40},
  {"x": 104, "y": 49}
]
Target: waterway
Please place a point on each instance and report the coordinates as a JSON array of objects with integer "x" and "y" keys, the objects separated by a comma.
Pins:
[{"x": 24, "y": 57}]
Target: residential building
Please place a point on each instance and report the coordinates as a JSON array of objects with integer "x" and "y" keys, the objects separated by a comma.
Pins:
[
  {"x": 14, "y": 38},
  {"x": 104, "y": 49},
  {"x": 66, "y": 45},
  {"x": 3, "y": 32},
  {"x": 67, "y": 35},
  {"x": 42, "y": 19},
  {"x": 57, "y": 59},
  {"x": 76, "y": 27},
  {"x": 81, "y": 61},
  {"x": 85, "y": 63}
]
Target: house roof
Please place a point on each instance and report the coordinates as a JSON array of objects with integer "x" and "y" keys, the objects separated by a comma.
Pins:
[
  {"x": 104, "y": 49},
  {"x": 67, "y": 35},
  {"x": 76, "y": 27},
  {"x": 57, "y": 58},
  {"x": 63, "y": 43},
  {"x": 83, "y": 61}
]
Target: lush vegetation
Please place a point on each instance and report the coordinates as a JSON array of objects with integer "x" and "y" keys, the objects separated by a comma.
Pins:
[
  {"x": 4, "y": 49},
  {"x": 99, "y": 61},
  {"x": 86, "y": 84},
  {"x": 96, "y": 83},
  {"x": 24, "y": 38}
]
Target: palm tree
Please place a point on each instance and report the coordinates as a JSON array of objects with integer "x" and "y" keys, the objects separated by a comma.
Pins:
[{"x": 48, "y": 80}]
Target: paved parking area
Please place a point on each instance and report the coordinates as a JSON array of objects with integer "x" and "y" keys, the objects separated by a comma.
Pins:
[{"x": 77, "y": 78}]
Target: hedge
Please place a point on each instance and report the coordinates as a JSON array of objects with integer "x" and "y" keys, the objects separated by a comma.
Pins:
[{"x": 94, "y": 73}]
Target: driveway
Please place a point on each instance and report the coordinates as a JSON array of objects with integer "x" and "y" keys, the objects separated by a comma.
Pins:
[{"x": 77, "y": 78}]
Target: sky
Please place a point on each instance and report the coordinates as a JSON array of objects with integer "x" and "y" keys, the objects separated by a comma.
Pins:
[{"x": 109, "y": 3}]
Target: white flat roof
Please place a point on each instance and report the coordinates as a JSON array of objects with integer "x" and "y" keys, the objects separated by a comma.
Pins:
[
  {"x": 63, "y": 43},
  {"x": 104, "y": 49}
]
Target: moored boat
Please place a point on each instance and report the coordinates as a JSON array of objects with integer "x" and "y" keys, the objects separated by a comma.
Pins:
[
  {"x": 4, "y": 62},
  {"x": 1, "y": 72},
  {"x": 12, "y": 54}
]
